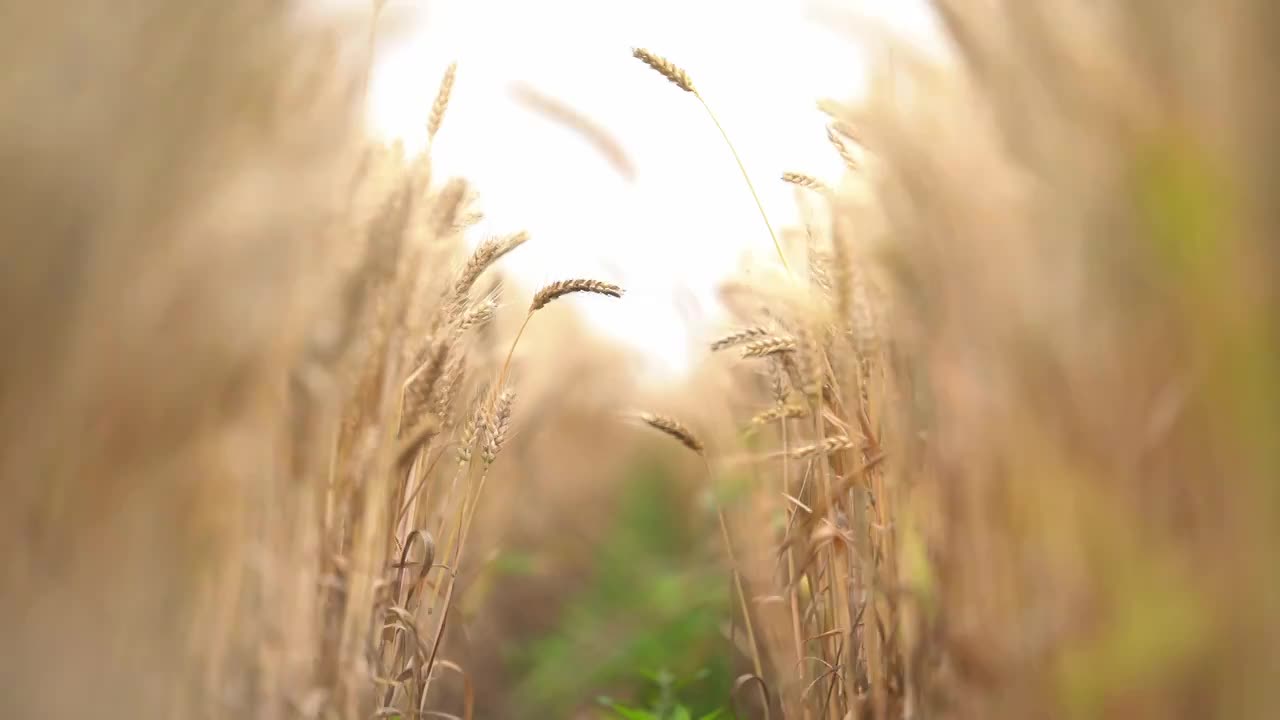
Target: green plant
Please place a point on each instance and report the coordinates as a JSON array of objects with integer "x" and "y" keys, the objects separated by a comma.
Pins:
[
  {"x": 651, "y": 601},
  {"x": 663, "y": 703}
]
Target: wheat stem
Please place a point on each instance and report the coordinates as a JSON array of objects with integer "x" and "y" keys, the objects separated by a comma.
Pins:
[
  {"x": 750, "y": 186},
  {"x": 681, "y": 432},
  {"x": 680, "y": 78}
]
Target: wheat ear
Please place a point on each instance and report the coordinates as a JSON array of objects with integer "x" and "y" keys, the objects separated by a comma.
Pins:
[
  {"x": 560, "y": 288},
  {"x": 498, "y": 425},
  {"x": 666, "y": 68},
  {"x": 738, "y": 337},
  {"x": 845, "y": 153},
  {"x": 826, "y": 447},
  {"x": 486, "y": 254},
  {"x": 674, "y": 428},
  {"x": 442, "y": 101},
  {"x": 771, "y": 345},
  {"x": 806, "y": 181}
]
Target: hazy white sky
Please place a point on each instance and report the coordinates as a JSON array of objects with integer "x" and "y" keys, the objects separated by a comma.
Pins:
[{"x": 683, "y": 222}]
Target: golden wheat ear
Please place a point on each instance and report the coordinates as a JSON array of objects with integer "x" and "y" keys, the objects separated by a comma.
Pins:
[
  {"x": 442, "y": 101},
  {"x": 488, "y": 253},
  {"x": 666, "y": 68},
  {"x": 769, "y": 345},
  {"x": 673, "y": 428},
  {"x": 561, "y": 288},
  {"x": 838, "y": 143},
  {"x": 681, "y": 79},
  {"x": 739, "y": 337},
  {"x": 806, "y": 181}
]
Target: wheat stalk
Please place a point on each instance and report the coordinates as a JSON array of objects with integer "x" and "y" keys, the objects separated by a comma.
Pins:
[
  {"x": 845, "y": 154},
  {"x": 819, "y": 264},
  {"x": 452, "y": 197},
  {"x": 678, "y": 430},
  {"x": 772, "y": 345},
  {"x": 675, "y": 74},
  {"x": 666, "y": 68},
  {"x": 826, "y": 447},
  {"x": 810, "y": 363},
  {"x": 479, "y": 314},
  {"x": 485, "y": 255},
  {"x": 468, "y": 220},
  {"x": 442, "y": 101},
  {"x": 591, "y": 131},
  {"x": 471, "y": 431},
  {"x": 560, "y": 288},
  {"x": 779, "y": 412},
  {"x": 674, "y": 428},
  {"x": 806, "y": 181},
  {"x": 555, "y": 290},
  {"x": 419, "y": 385},
  {"x": 738, "y": 337},
  {"x": 449, "y": 378},
  {"x": 498, "y": 424}
]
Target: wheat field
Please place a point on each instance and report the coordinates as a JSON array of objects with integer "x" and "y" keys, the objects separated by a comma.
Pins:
[{"x": 994, "y": 433}]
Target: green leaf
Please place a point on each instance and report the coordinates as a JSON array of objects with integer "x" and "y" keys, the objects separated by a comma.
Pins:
[
  {"x": 633, "y": 713},
  {"x": 713, "y": 714},
  {"x": 681, "y": 713}
]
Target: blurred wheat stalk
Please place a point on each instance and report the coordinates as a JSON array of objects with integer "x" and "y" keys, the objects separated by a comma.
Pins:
[
  {"x": 1026, "y": 404},
  {"x": 243, "y": 427}
]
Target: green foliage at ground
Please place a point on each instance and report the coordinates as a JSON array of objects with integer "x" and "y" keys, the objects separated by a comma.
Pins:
[{"x": 647, "y": 621}]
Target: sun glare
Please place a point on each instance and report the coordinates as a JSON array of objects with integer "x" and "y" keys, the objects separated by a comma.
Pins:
[{"x": 684, "y": 220}]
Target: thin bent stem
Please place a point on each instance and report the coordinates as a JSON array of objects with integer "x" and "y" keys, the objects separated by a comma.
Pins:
[
  {"x": 757, "y": 665},
  {"x": 506, "y": 365},
  {"x": 794, "y": 601},
  {"x": 776, "y": 245},
  {"x": 371, "y": 50}
]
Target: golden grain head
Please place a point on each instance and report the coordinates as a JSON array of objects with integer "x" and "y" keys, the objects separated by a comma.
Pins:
[
  {"x": 674, "y": 428},
  {"x": 498, "y": 425},
  {"x": 845, "y": 153},
  {"x": 779, "y": 412},
  {"x": 428, "y": 365},
  {"x": 449, "y": 381},
  {"x": 467, "y": 440},
  {"x": 738, "y": 337},
  {"x": 560, "y": 288},
  {"x": 772, "y": 345},
  {"x": 488, "y": 252},
  {"x": 449, "y": 202},
  {"x": 668, "y": 69},
  {"x": 826, "y": 447},
  {"x": 478, "y": 314},
  {"x": 805, "y": 181},
  {"x": 442, "y": 100}
]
